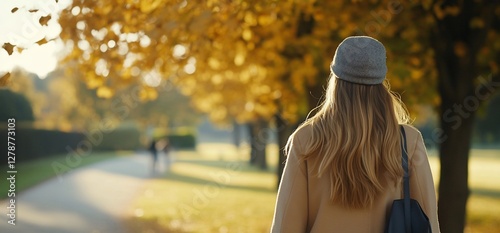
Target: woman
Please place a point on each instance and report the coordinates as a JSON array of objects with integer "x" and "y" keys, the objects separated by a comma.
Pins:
[{"x": 344, "y": 169}]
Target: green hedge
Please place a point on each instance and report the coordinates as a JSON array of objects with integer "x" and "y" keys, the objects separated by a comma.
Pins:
[
  {"x": 182, "y": 141},
  {"x": 120, "y": 139},
  {"x": 14, "y": 105},
  {"x": 36, "y": 143}
]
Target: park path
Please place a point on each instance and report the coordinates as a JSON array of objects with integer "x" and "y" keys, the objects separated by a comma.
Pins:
[{"x": 91, "y": 199}]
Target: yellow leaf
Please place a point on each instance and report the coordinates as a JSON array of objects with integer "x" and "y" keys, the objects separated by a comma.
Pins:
[
  {"x": 265, "y": 20},
  {"x": 416, "y": 74},
  {"x": 8, "y": 47},
  {"x": 239, "y": 59},
  {"x": 452, "y": 10},
  {"x": 44, "y": 20},
  {"x": 127, "y": 15},
  {"x": 217, "y": 79},
  {"x": 250, "y": 18},
  {"x": 214, "y": 63},
  {"x": 42, "y": 41},
  {"x": 415, "y": 61},
  {"x": 493, "y": 66},
  {"x": 247, "y": 34},
  {"x": 149, "y": 5},
  {"x": 477, "y": 23},
  {"x": 415, "y": 47},
  {"x": 460, "y": 49},
  {"x": 396, "y": 82},
  {"x": 438, "y": 11},
  {"x": 436, "y": 100},
  {"x": 147, "y": 94},
  {"x": 105, "y": 9},
  {"x": 104, "y": 92},
  {"x": 4, "y": 80},
  {"x": 93, "y": 81}
]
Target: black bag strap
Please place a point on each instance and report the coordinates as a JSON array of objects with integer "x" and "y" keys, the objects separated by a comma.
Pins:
[{"x": 406, "y": 181}]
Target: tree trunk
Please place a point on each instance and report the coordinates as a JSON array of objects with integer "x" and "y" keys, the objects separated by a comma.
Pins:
[
  {"x": 456, "y": 45},
  {"x": 236, "y": 134},
  {"x": 253, "y": 145},
  {"x": 457, "y": 110},
  {"x": 454, "y": 157},
  {"x": 251, "y": 161},
  {"x": 259, "y": 135}
]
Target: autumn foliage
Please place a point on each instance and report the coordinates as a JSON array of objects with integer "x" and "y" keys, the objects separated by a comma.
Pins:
[{"x": 246, "y": 60}]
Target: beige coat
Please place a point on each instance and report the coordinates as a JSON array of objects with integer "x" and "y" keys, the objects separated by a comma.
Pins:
[{"x": 303, "y": 203}]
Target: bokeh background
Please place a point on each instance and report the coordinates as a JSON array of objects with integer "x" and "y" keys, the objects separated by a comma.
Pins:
[{"x": 220, "y": 85}]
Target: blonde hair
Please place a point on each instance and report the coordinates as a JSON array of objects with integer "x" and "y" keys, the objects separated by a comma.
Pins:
[{"x": 355, "y": 131}]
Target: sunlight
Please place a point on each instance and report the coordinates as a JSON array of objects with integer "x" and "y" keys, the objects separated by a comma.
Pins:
[
  {"x": 21, "y": 28},
  {"x": 179, "y": 51},
  {"x": 39, "y": 59},
  {"x": 152, "y": 79}
]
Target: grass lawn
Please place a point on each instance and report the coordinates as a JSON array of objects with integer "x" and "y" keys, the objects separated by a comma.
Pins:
[
  {"x": 483, "y": 207},
  {"x": 34, "y": 172},
  {"x": 216, "y": 191}
]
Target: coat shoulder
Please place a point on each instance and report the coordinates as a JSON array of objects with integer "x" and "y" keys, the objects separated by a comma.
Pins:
[
  {"x": 303, "y": 134},
  {"x": 412, "y": 132}
]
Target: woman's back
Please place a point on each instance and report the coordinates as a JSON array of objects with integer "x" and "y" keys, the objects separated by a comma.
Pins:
[{"x": 306, "y": 193}]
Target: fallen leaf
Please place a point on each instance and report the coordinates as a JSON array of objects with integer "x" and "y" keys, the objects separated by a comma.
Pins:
[
  {"x": 33, "y": 10},
  {"x": 14, "y": 9}
]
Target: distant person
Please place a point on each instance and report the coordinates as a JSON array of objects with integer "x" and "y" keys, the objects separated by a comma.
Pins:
[
  {"x": 344, "y": 164},
  {"x": 164, "y": 144},
  {"x": 154, "y": 153}
]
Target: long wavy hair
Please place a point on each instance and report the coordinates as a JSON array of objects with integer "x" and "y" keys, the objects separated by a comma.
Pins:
[{"x": 355, "y": 133}]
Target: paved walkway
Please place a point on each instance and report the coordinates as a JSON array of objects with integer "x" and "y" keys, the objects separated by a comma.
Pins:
[{"x": 88, "y": 200}]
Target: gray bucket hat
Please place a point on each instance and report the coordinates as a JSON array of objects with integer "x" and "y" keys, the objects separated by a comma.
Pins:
[{"x": 360, "y": 59}]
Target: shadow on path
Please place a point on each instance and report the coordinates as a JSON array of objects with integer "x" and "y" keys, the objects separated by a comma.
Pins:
[{"x": 209, "y": 180}]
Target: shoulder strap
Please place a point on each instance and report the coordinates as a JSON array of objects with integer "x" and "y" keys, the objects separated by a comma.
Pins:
[{"x": 406, "y": 181}]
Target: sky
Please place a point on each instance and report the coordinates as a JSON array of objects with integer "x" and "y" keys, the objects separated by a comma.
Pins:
[{"x": 22, "y": 28}]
